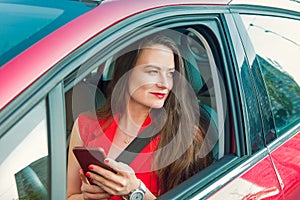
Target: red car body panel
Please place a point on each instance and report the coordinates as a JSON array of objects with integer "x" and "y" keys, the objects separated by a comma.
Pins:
[
  {"x": 263, "y": 181},
  {"x": 287, "y": 161},
  {"x": 258, "y": 182},
  {"x": 264, "y": 176},
  {"x": 26, "y": 68}
]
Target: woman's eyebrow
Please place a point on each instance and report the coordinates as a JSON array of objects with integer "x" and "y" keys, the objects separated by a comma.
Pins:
[
  {"x": 152, "y": 66},
  {"x": 158, "y": 67}
]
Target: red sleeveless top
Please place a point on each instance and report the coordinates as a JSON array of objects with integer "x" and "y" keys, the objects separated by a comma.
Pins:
[{"x": 93, "y": 134}]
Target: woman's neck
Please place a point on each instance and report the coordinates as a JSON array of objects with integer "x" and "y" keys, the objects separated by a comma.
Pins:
[{"x": 131, "y": 121}]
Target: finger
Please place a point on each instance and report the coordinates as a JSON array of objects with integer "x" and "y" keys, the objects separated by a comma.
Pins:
[
  {"x": 110, "y": 187},
  {"x": 119, "y": 167},
  {"x": 98, "y": 170},
  {"x": 96, "y": 195},
  {"x": 115, "y": 184},
  {"x": 119, "y": 183},
  {"x": 93, "y": 192},
  {"x": 83, "y": 177},
  {"x": 110, "y": 182}
]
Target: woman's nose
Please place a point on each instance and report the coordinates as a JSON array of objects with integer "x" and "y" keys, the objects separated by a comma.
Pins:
[{"x": 164, "y": 81}]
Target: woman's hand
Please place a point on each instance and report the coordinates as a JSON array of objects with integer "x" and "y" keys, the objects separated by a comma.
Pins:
[
  {"x": 90, "y": 192},
  {"x": 121, "y": 183}
]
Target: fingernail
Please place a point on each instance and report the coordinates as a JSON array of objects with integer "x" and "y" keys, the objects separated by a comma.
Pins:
[
  {"x": 88, "y": 174},
  {"x": 91, "y": 167}
]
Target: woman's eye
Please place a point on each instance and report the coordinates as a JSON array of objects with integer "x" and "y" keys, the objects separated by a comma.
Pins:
[
  {"x": 152, "y": 71},
  {"x": 171, "y": 74}
]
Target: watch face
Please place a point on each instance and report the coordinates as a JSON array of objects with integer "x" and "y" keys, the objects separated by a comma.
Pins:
[{"x": 137, "y": 196}]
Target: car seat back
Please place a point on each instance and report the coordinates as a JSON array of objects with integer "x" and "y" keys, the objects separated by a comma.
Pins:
[{"x": 207, "y": 114}]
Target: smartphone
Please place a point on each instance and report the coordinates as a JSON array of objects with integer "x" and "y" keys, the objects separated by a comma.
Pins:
[{"x": 90, "y": 155}]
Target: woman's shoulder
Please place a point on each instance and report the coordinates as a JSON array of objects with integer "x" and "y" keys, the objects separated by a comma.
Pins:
[
  {"x": 89, "y": 126},
  {"x": 87, "y": 121},
  {"x": 87, "y": 116},
  {"x": 90, "y": 120}
]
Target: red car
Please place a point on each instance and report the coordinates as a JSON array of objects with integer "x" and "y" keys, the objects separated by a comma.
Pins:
[{"x": 241, "y": 61}]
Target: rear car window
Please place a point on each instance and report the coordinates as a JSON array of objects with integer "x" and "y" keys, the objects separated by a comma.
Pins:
[{"x": 278, "y": 50}]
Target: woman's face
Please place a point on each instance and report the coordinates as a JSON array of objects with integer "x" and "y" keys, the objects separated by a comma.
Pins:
[{"x": 151, "y": 78}]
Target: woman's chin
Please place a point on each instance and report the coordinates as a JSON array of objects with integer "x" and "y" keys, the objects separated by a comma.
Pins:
[{"x": 157, "y": 106}]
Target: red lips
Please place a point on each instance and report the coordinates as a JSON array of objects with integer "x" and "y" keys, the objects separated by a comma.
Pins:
[{"x": 159, "y": 95}]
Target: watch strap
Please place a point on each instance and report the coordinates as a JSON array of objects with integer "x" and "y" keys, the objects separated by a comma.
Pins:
[{"x": 141, "y": 188}]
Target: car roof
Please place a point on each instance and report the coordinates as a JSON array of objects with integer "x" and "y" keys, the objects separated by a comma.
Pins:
[
  {"x": 20, "y": 72},
  {"x": 292, "y": 5}
]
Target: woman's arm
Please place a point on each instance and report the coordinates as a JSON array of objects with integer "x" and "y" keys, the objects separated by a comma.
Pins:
[
  {"x": 73, "y": 177},
  {"x": 78, "y": 186}
]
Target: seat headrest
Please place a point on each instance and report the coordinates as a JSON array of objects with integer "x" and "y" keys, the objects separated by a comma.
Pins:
[
  {"x": 191, "y": 69},
  {"x": 86, "y": 97}
]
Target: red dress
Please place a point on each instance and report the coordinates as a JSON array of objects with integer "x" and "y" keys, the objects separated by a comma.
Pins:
[{"x": 93, "y": 134}]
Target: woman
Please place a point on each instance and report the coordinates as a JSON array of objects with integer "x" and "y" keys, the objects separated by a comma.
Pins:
[{"x": 148, "y": 92}]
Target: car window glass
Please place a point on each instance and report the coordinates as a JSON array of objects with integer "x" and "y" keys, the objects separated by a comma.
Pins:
[
  {"x": 278, "y": 51},
  {"x": 26, "y": 22},
  {"x": 24, "y": 157},
  {"x": 21, "y": 15}
]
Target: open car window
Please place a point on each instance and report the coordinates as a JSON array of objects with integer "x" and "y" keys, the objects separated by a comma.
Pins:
[{"x": 89, "y": 91}]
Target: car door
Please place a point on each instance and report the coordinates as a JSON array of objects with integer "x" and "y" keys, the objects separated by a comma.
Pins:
[
  {"x": 279, "y": 68},
  {"x": 256, "y": 177}
]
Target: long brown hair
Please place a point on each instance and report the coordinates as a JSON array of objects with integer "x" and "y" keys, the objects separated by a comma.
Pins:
[{"x": 181, "y": 136}]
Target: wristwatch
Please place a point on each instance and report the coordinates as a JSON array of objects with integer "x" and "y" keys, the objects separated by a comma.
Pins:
[{"x": 139, "y": 193}]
